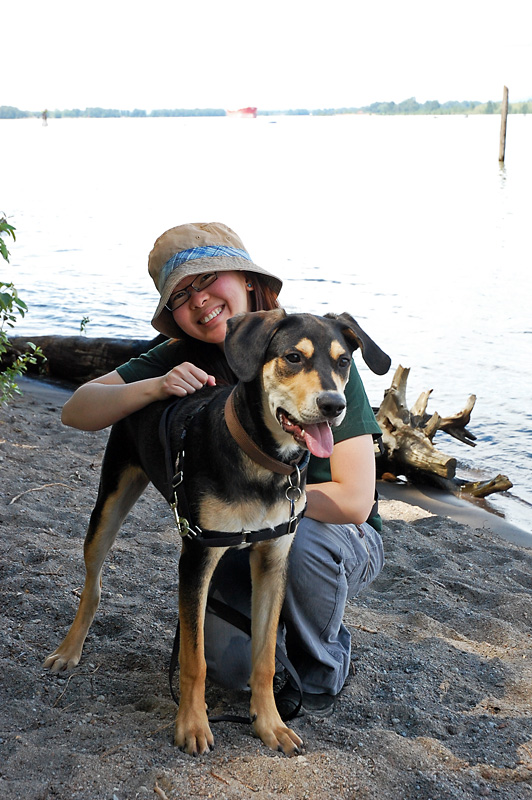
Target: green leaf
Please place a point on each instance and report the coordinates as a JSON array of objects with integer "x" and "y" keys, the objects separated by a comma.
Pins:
[{"x": 5, "y": 227}]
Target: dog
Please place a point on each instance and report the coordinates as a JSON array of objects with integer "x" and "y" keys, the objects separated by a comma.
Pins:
[{"x": 239, "y": 481}]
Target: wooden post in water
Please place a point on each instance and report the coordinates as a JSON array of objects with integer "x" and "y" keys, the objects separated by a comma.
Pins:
[{"x": 504, "y": 115}]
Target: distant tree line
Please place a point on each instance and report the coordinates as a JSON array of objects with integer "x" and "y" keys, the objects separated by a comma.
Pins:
[
  {"x": 9, "y": 112},
  {"x": 409, "y": 106}
]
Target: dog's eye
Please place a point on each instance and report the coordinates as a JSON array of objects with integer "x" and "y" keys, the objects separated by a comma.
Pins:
[
  {"x": 344, "y": 362},
  {"x": 293, "y": 358}
]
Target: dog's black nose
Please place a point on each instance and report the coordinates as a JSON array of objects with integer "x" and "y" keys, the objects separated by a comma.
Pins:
[{"x": 331, "y": 404}]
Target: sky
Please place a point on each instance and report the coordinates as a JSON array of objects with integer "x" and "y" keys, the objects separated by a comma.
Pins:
[{"x": 278, "y": 54}]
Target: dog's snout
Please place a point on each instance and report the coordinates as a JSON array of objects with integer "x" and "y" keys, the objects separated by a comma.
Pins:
[{"x": 331, "y": 404}]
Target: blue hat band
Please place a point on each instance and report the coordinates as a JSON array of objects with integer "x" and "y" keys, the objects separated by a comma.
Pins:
[{"x": 210, "y": 251}]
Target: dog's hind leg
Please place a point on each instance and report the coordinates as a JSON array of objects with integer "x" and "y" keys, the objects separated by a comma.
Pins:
[
  {"x": 268, "y": 568},
  {"x": 117, "y": 494},
  {"x": 196, "y": 566}
]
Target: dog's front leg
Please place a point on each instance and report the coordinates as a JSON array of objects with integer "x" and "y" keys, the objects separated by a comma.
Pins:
[
  {"x": 268, "y": 568},
  {"x": 196, "y": 566}
]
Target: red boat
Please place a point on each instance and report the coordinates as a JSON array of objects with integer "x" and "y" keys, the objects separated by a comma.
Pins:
[{"x": 250, "y": 112}]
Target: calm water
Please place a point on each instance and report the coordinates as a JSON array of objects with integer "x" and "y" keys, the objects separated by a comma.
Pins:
[{"x": 408, "y": 223}]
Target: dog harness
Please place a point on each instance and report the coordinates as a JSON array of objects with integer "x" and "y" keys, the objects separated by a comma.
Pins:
[{"x": 179, "y": 502}]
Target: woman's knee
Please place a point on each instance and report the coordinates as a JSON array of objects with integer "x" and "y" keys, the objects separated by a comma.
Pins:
[
  {"x": 319, "y": 547},
  {"x": 366, "y": 557}
]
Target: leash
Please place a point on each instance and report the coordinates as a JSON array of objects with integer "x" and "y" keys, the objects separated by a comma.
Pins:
[{"x": 243, "y": 623}]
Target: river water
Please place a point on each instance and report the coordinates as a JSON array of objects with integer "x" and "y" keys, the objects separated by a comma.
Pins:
[{"x": 408, "y": 223}]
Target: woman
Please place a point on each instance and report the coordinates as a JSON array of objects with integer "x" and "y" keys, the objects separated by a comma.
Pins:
[{"x": 205, "y": 276}]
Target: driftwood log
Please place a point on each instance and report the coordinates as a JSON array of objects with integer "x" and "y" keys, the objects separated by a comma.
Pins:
[
  {"x": 407, "y": 434},
  {"x": 78, "y": 359},
  {"x": 407, "y": 439}
]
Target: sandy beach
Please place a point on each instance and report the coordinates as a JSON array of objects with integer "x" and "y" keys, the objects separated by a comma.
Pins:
[{"x": 438, "y": 704}]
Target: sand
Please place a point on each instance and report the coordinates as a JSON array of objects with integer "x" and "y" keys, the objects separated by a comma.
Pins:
[{"x": 438, "y": 704}]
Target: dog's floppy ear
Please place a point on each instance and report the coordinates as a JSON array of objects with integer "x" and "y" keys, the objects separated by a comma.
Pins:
[
  {"x": 375, "y": 358},
  {"x": 247, "y": 339}
]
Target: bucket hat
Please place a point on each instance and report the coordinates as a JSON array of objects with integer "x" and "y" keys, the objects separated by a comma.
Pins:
[{"x": 191, "y": 250}]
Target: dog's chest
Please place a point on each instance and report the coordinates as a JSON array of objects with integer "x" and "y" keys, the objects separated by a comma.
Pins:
[{"x": 244, "y": 514}]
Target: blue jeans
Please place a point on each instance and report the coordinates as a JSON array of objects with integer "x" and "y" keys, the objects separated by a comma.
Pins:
[{"x": 328, "y": 565}]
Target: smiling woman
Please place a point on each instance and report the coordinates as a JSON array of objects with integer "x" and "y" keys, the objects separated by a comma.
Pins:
[{"x": 183, "y": 254}]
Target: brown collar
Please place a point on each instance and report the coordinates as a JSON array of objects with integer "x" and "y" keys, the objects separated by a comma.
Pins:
[{"x": 248, "y": 445}]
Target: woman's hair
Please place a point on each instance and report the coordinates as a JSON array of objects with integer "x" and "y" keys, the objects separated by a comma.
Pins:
[
  {"x": 211, "y": 358},
  {"x": 263, "y": 298}
]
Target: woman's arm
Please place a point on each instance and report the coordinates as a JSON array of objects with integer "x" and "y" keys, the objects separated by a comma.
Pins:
[
  {"x": 103, "y": 401},
  {"x": 349, "y": 497}
]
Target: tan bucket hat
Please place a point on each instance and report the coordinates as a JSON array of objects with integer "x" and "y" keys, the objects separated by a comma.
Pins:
[{"x": 191, "y": 250}]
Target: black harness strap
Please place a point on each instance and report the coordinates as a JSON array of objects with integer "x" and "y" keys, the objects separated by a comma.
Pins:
[
  {"x": 164, "y": 437},
  {"x": 243, "y": 623},
  {"x": 208, "y": 538}
]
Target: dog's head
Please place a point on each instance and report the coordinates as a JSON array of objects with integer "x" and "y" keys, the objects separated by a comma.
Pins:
[{"x": 303, "y": 363}]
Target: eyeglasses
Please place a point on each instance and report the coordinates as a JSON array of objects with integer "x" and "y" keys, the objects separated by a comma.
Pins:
[{"x": 198, "y": 284}]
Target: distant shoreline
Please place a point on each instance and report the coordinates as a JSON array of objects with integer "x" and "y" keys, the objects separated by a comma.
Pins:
[{"x": 386, "y": 108}]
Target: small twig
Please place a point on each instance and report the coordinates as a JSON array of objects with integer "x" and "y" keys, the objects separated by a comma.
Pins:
[
  {"x": 219, "y": 778},
  {"x": 63, "y": 692},
  {"x": 75, "y": 675},
  {"x": 158, "y": 791},
  {"x": 228, "y": 783},
  {"x": 65, "y": 708},
  {"x": 363, "y": 628},
  {"x": 37, "y": 489},
  {"x": 251, "y": 788}
]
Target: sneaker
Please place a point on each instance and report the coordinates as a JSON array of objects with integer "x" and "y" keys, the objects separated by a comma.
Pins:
[{"x": 318, "y": 705}]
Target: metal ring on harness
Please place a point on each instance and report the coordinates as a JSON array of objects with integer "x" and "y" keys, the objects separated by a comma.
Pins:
[{"x": 293, "y": 490}]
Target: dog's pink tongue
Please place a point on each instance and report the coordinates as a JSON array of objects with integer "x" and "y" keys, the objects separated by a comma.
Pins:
[{"x": 319, "y": 439}]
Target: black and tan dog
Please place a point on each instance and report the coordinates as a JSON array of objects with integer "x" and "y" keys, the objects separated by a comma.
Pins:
[{"x": 243, "y": 488}]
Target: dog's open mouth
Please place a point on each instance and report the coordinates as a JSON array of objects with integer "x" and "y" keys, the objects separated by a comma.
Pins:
[{"x": 317, "y": 438}]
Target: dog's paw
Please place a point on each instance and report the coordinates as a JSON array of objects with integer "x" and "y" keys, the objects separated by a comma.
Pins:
[
  {"x": 193, "y": 734},
  {"x": 277, "y": 736},
  {"x": 61, "y": 661}
]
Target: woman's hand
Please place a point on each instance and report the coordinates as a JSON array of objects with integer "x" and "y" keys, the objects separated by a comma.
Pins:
[{"x": 185, "y": 379}]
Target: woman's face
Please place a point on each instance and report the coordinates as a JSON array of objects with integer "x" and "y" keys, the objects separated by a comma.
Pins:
[{"x": 204, "y": 315}]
